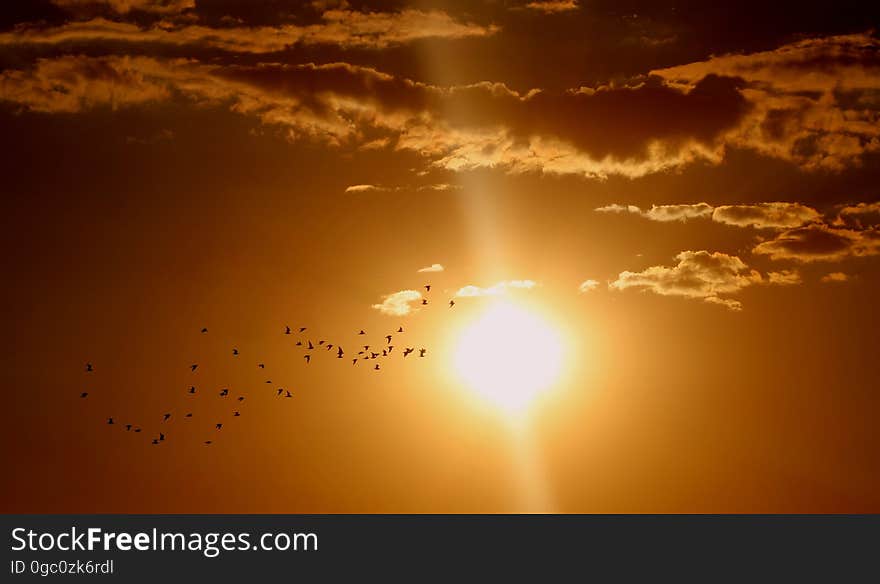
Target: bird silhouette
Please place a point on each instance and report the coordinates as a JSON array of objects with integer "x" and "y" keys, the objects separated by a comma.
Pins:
[
  {"x": 110, "y": 420},
  {"x": 366, "y": 347},
  {"x": 424, "y": 301},
  {"x": 84, "y": 394},
  {"x": 204, "y": 330},
  {"x": 241, "y": 398},
  {"x": 339, "y": 353},
  {"x": 362, "y": 332},
  {"x": 189, "y": 415},
  {"x": 427, "y": 287},
  {"x": 299, "y": 343},
  {"x": 311, "y": 346},
  {"x": 192, "y": 389},
  {"x": 137, "y": 429},
  {"x": 280, "y": 391},
  {"x": 155, "y": 441},
  {"x": 235, "y": 414},
  {"x": 165, "y": 417},
  {"x": 89, "y": 368},
  {"x": 287, "y": 330},
  {"x": 353, "y": 361},
  {"x": 407, "y": 351},
  {"x": 218, "y": 426},
  {"x": 390, "y": 348},
  {"x": 422, "y": 352},
  {"x": 207, "y": 442},
  {"x": 376, "y": 367},
  {"x": 321, "y": 342},
  {"x": 451, "y": 303},
  {"x": 161, "y": 437},
  {"x": 193, "y": 367},
  {"x": 224, "y": 392},
  {"x": 308, "y": 359},
  {"x": 302, "y": 329},
  {"x": 261, "y": 365},
  {"x": 287, "y": 394},
  {"x": 235, "y": 351},
  {"x": 400, "y": 329},
  {"x": 388, "y": 338},
  {"x": 128, "y": 427}
]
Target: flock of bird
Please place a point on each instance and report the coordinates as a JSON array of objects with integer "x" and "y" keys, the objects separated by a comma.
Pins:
[{"x": 366, "y": 352}]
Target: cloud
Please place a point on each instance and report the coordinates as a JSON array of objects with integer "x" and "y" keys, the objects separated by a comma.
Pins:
[
  {"x": 859, "y": 216},
  {"x": 497, "y": 289},
  {"x": 813, "y": 102},
  {"x": 701, "y": 275},
  {"x": 835, "y": 277},
  {"x": 363, "y": 188},
  {"x": 762, "y": 215},
  {"x": 553, "y": 6},
  {"x": 399, "y": 303},
  {"x": 821, "y": 242},
  {"x": 344, "y": 28},
  {"x": 126, "y": 6},
  {"x": 588, "y": 286},
  {"x": 766, "y": 215},
  {"x": 432, "y": 268}
]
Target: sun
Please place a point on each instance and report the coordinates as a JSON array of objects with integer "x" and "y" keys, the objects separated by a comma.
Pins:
[{"x": 509, "y": 356}]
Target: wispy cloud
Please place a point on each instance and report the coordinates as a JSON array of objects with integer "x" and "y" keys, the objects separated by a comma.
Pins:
[
  {"x": 588, "y": 286},
  {"x": 432, "y": 268},
  {"x": 496, "y": 289},
  {"x": 399, "y": 303}
]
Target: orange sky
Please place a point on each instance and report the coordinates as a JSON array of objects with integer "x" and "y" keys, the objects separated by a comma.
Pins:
[{"x": 686, "y": 195}]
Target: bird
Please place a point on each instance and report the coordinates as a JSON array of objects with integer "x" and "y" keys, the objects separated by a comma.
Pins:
[
  {"x": 400, "y": 329},
  {"x": 224, "y": 392},
  {"x": 366, "y": 347},
  {"x": 451, "y": 303},
  {"x": 339, "y": 353},
  {"x": 422, "y": 352},
  {"x": 128, "y": 427},
  {"x": 287, "y": 394},
  {"x": 362, "y": 332},
  {"x": 311, "y": 346},
  {"x": 155, "y": 441},
  {"x": 193, "y": 366},
  {"x": 353, "y": 361},
  {"x": 161, "y": 436},
  {"x": 261, "y": 365},
  {"x": 407, "y": 351},
  {"x": 268, "y": 381},
  {"x": 137, "y": 429},
  {"x": 84, "y": 394},
  {"x": 204, "y": 330},
  {"x": 390, "y": 348},
  {"x": 280, "y": 391},
  {"x": 308, "y": 359},
  {"x": 424, "y": 301},
  {"x": 207, "y": 442},
  {"x": 165, "y": 417},
  {"x": 110, "y": 420},
  {"x": 89, "y": 368},
  {"x": 427, "y": 287},
  {"x": 384, "y": 352},
  {"x": 287, "y": 330},
  {"x": 321, "y": 342},
  {"x": 299, "y": 343},
  {"x": 235, "y": 414},
  {"x": 241, "y": 398},
  {"x": 388, "y": 338},
  {"x": 192, "y": 389},
  {"x": 302, "y": 329},
  {"x": 189, "y": 415},
  {"x": 218, "y": 426},
  {"x": 376, "y": 367},
  {"x": 235, "y": 351}
]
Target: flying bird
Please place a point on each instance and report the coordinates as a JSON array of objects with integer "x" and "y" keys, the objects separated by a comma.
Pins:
[
  {"x": 353, "y": 361},
  {"x": 427, "y": 287},
  {"x": 400, "y": 329},
  {"x": 193, "y": 367},
  {"x": 84, "y": 394},
  {"x": 308, "y": 359},
  {"x": 89, "y": 368},
  {"x": 155, "y": 441},
  {"x": 235, "y": 414},
  {"x": 161, "y": 437},
  {"x": 311, "y": 346},
  {"x": 424, "y": 301},
  {"x": 128, "y": 427},
  {"x": 261, "y": 365},
  {"x": 189, "y": 415},
  {"x": 339, "y": 353},
  {"x": 207, "y": 442},
  {"x": 321, "y": 342},
  {"x": 388, "y": 338},
  {"x": 451, "y": 303},
  {"x": 235, "y": 351},
  {"x": 110, "y": 420},
  {"x": 287, "y": 330},
  {"x": 376, "y": 367},
  {"x": 165, "y": 417},
  {"x": 192, "y": 389},
  {"x": 204, "y": 330},
  {"x": 241, "y": 398},
  {"x": 224, "y": 392},
  {"x": 280, "y": 391},
  {"x": 287, "y": 394},
  {"x": 362, "y": 332},
  {"x": 218, "y": 426},
  {"x": 302, "y": 329},
  {"x": 422, "y": 352},
  {"x": 407, "y": 351},
  {"x": 299, "y": 343}
]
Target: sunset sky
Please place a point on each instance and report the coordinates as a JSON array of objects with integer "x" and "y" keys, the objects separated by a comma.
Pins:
[{"x": 659, "y": 223}]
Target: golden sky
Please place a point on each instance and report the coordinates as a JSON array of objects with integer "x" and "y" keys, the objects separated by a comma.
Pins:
[{"x": 659, "y": 224}]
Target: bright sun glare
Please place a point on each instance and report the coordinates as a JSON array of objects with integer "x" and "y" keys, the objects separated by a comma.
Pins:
[{"x": 508, "y": 356}]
